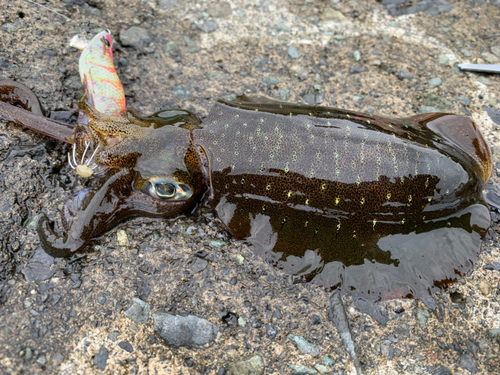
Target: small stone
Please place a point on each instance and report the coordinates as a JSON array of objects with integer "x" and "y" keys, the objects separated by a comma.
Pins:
[
  {"x": 181, "y": 93},
  {"x": 484, "y": 288},
  {"x": 241, "y": 258},
  {"x": 113, "y": 336},
  {"x": 271, "y": 332},
  {"x": 122, "y": 238},
  {"x": 271, "y": 81},
  {"x": 465, "y": 53},
  {"x": 322, "y": 369},
  {"x": 73, "y": 83},
  {"x": 302, "y": 370},
  {"x": 250, "y": 366},
  {"x": 462, "y": 99},
  {"x": 293, "y": 52},
  {"x": 377, "y": 62},
  {"x": 494, "y": 266},
  {"x": 434, "y": 100},
  {"x": 404, "y": 74},
  {"x": 214, "y": 75},
  {"x": 189, "y": 331},
  {"x": 484, "y": 81},
  {"x": 170, "y": 46},
  {"x": 139, "y": 311},
  {"x": 357, "y": 55},
  {"x": 207, "y": 27},
  {"x": 489, "y": 58},
  {"x": 28, "y": 354},
  {"x": 443, "y": 59},
  {"x": 327, "y": 361},
  {"x": 332, "y": 14},
  {"x": 495, "y": 50},
  {"x": 192, "y": 47},
  {"x": 101, "y": 358},
  {"x": 423, "y": 316},
  {"x": 198, "y": 265},
  {"x": 101, "y": 300},
  {"x": 242, "y": 322},
  {"x": 136, "y": 37},
  {"x": 434, "y": 82},
  {"x": 495, "y": 334},
  {"x": 304, "y": 346},
  {"x": 126, "y": 346},
  {"x": 357, "y": 69},
  {"x": 218, "y": 243},
  {"x": 467, "y": 363},
  {"x": 167, "y": 5},
  {"x": 442, "y": 371},
  {"x": 283, "y": 94}
]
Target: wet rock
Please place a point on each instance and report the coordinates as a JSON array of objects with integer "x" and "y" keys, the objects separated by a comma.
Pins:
[
  {"x": 432, "y": 7},
  {"x": 181, "y": 93},
  {"x": 250, "y": 366},
  {"x": 219, "y": 10},
  {"x": 304, "y": 346},
  {"x": 434, "y": 82},
  {"x": 38, "y": 268},
  {"x": 189, "y": 331},
  {"x": 493, "y": 113},
  {"x": 135, "y": 37},
  {"x": 101, "y": 358},
  {"x": 139, "y": 311},
  {"x": 467, "y": 363},
  {"x": 207, "y": 27},
  {"x": 404, "y": 74},
  {"x": 375, "y": 310},
  {"x": 126, "y": 346},
  {"x": 293, "y": 52},
  {"x": 302, "y": 370}
]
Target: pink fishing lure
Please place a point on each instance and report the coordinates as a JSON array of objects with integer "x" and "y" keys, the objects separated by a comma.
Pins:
[{"x": 99, "y": 78}]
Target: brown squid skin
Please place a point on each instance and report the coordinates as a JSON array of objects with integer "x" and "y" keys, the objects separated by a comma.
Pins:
[{"x": 380, "y": 208}]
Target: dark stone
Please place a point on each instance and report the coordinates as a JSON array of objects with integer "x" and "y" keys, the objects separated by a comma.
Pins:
[
  {"x": 271, "y": 332},
  {"x": 101, "y": 358},
  {"x": 189, "y": 362},
  {"x": 38, "y": 268},
  {"x": 373, "y": 309},
  {"x": 139, "y": 311},
  {"x": 442, "y": 371},
  {"x": 357, "y": 69},
  {"x": 495, "y": 266},
  {"x": 207, "y": 27},
  {"x": 493, "y": 113},
  {"x": 316, "y": 320},
  {"x": 135, "y": 37},
  {"x": 432, "y": 7},
  {"x": 189, "y": 331},
  {"x": 467, "y": 363},
  {"x": 126, "y": 346},
  {"x": 404, "y": 74}
]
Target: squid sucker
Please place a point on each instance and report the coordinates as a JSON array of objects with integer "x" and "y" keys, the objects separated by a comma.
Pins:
[{"x": 379, "y": 208}]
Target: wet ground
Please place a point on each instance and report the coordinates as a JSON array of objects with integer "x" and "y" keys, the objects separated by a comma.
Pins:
[{"x": 58, "y": 314}]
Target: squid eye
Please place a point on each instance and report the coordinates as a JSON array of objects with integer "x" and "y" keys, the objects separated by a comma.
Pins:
[
  {"x": 106, "y": 42},
  {"x": 167, "y": 190}
]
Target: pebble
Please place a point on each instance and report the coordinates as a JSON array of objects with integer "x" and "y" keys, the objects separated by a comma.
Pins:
[
  {"x": 495, "y": 333},
  {"x": 189, "y": 331},
  {"x": 73, "y": 83},
  {"x": 241, "y": 258},
  {"x": 302, "y": 370},
  {"x": 442, "y": 371},
  {"x": 271, "y": 81},
  {"x": 489, "y": 57},
  {"x": 101, "y": 358},
  {"x": 465, "y": 53},
  {"x": 293, "y": 52},
  {"x": 494, "y": 115},
  {"x": 192, "y": 47},
  {"x": 462, "y": 99},
  {"x": 250, "y": 366},
  {"x": 207, "y": 27},
  {"x": 434, "y": 100},
  {"x": 314, "y": 98},
  {"x": 327, "y": 361},
  {"x": 181, "y": 93},
  {"x": 494, "y": 266},
  {"x": 322, "y": 369},
  {"x": 126, "y": 346},
  {"x": 283, "y": 94},
  {"x": 139, "y": 311},
  {"x": 467, "y": 363},
  {"x": 357, "y": 55},
  {"x": 495, "y": 50},
  {"x": 218, "y": 243},
  {"x": 443, "y": 59},
  {"x": 432, "y": 7},
  {"x": 357, "y": 69},
  {"x": 423, "y": 316},
  {"x": 166, "y": 5},
  {"x": 332, "y": 14},
  {"x": 484, "y": 81},
  {"x": 136, "y": 37},
  {"x": 198, "y": 265},
  {"x": 122, "y": 238},
  {"x": 375, "y": 310},
  {"x": 434, "y": 82},
  {"x": 377, "y": 62},
  {"x": 304, "y": 346},
  {"x": 271, "y": 332},
  {"x": 404, "y": 74},
  {"x": 170, "y": 46},
  {"x": 484, "y": 288}
]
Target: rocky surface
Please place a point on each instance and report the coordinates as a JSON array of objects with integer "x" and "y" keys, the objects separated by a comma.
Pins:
[{"x": 83, "y": 315}]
